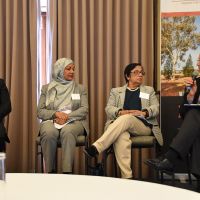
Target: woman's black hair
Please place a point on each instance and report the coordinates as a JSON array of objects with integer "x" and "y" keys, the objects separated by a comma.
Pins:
[{"x": 129, "y": 68}]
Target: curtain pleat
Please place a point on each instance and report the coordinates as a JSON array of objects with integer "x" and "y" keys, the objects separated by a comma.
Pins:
[
  {"x": 102, "y": 37},
  {"x": 18, "y": 61}
]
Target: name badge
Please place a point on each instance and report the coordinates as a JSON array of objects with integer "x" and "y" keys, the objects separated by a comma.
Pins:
[
  {"x": 144, "y": 95},
  {"x": 75, "y": 96}
]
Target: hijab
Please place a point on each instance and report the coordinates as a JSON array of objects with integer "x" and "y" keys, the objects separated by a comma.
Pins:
[{"x": 59, "y": 90}]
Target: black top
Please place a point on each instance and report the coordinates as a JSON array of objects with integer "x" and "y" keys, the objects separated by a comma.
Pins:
[{"x": 132, "y": 100}]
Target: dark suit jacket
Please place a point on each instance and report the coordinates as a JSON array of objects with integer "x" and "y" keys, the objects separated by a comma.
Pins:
[{"x": 5, "y": 108}]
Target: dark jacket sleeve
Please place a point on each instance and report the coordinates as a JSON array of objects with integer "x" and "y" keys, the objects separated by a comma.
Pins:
[
  {"x": 5, "y": 103},
  {"x": 5, "y": 108},
  {"x": 183, "y": 109}
]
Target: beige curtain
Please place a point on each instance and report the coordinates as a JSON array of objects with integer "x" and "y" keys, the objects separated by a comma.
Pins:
[
  {"x": 18, "y": 66},
  {"x": 102, "y": 37}
]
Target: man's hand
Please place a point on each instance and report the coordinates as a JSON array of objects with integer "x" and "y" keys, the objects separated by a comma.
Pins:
[
  {"x": 193, "y": 89},
  {"x": 189, "y": 81}
]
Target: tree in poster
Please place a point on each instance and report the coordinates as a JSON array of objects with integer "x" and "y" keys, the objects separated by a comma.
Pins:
[
  {"x": 189, "y": 68},
  {"x": 167, "y": 70},
  {"x": 178, "y": 35}
]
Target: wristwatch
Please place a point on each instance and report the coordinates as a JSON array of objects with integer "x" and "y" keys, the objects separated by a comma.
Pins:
[{"x": 146, "y": 112}]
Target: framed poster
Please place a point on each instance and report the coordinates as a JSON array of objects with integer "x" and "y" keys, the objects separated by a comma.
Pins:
[{"x": 180, "y": 44}]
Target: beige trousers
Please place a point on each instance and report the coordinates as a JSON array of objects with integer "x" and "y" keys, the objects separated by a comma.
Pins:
[{"x": 118, "y": 134}]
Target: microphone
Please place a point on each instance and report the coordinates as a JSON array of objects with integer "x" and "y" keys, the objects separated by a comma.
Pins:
[{"x": 195, "y": 74}]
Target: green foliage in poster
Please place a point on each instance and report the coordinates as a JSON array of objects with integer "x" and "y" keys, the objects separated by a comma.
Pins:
[
  {"x": 188, "y": 69},
  {"x": 167, "y": 72},
  {"x": 178, "y": 35}
]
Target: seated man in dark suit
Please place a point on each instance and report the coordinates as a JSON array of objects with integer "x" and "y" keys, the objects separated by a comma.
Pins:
[
  {"x": 5, "y": 108},
  {"x": 188, "y": 138}
]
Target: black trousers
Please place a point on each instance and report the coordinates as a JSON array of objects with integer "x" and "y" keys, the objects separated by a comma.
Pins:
[{"x": 188, "y": 139}]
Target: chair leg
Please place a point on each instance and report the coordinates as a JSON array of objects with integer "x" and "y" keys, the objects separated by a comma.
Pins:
[
  {"x": 105, "y": 159},
  {"x": 140, "y": 164},
  {"x": 172, "y": 174},
  {"x": 155, "y": 173},
  {"x": 86, "y": 165},
  {"x": 86, "y": 158},
  {"x": 131, "y": 159},
  {"x": 56, "y": 161},
  {"x": 198, "y": 186},
  {"x": 189, "y": 169},
  {"x": 115, "y": 165},
  {"x": 161, "y": 177},
  {"x": 38, "y": 152},
  {"x": 36, "y": 157},
  {"x": 173, "y": 178},
  {"x": 42, "y": 161},
  {"x": 105, "y": 156}
]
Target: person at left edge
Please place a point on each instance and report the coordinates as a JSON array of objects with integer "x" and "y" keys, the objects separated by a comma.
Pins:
[
  {"x": 5, "y": 109},
  {"x": 63, "y": 108}
]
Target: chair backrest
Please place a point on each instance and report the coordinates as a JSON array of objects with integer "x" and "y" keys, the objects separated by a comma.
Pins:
[{"x": 158, "y": 97}]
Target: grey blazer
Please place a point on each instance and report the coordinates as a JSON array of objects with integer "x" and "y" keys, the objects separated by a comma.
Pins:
[
  {"x": 79, "y": 107},
  {"x": 116, "y": 102}
]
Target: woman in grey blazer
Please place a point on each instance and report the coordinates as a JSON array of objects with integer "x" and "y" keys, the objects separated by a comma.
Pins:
[
  {"x": 63, "y": 108},
  {"x": 131, "y": 109}
]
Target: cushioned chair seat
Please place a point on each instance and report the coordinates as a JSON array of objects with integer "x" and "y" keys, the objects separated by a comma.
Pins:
[{"x": 143, "y": 141}]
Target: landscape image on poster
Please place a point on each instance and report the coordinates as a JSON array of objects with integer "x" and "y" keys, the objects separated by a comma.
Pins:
[{"x": 180, "y": 52}]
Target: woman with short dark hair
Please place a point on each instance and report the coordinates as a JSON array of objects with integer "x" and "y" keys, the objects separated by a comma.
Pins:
[{"x": 131, "y": 110}]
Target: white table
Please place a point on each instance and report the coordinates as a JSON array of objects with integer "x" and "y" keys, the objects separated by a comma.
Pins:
[{"x": 77, "y": 187}]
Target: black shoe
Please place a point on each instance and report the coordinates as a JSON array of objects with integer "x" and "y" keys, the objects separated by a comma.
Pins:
[
  {"x": 164, "y": 164},
  {"x": 91, "y": 151},
  {"x": 150, "y": 161}
]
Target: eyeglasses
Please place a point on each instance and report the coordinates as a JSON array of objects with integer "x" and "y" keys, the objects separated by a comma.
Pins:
[{"x": 136, "y": 72}]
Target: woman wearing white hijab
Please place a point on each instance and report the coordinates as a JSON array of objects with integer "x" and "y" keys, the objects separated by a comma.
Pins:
[{"x": 63, "y": 108}]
